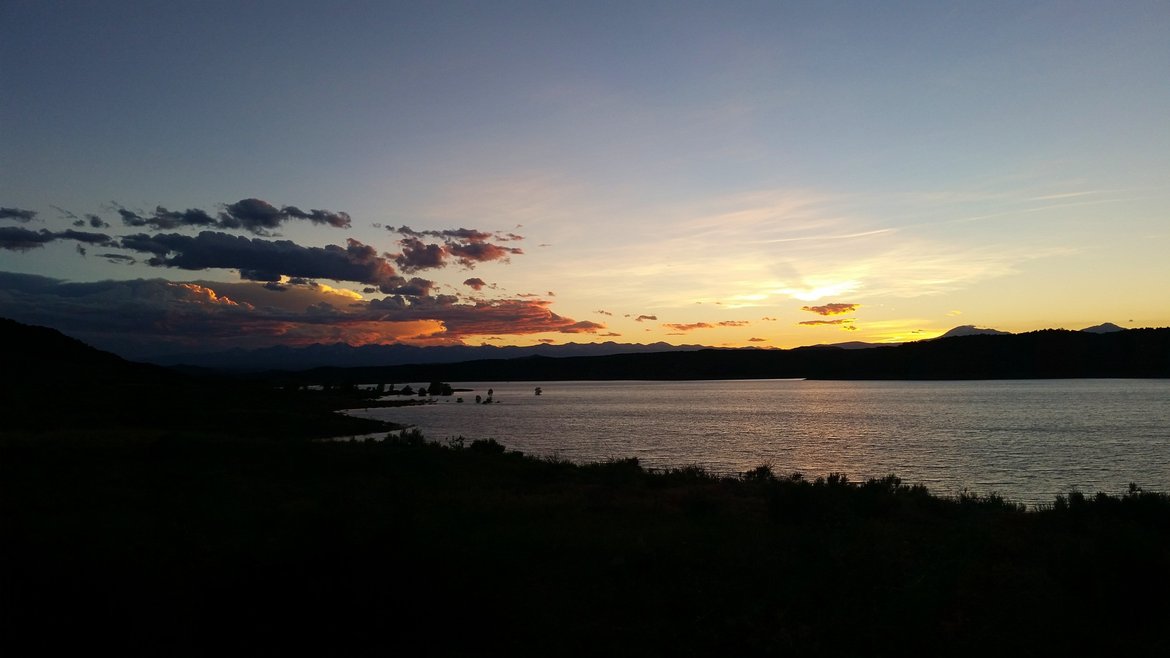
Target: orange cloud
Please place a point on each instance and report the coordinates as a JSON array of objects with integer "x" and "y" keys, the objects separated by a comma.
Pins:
[
  {"x": 818, "y": 322},
  {"x": 154, "y": 316},
  {"x": 689, "y": 326},
  {"x": 831, "y": 309}
]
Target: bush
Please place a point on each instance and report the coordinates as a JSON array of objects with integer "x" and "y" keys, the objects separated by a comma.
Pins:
[{"x": 487, "y": 447}]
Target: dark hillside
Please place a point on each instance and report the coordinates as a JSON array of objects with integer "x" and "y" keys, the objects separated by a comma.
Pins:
[{"x": 51, "y": 382}]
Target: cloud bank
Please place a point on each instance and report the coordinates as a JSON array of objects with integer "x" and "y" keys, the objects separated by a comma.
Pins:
[
  {"x": 279, "y": 297},
  {"x": 145, "y": 317}
]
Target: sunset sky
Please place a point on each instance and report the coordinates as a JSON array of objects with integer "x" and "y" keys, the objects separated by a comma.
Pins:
[{"x": 202, "y": 175}]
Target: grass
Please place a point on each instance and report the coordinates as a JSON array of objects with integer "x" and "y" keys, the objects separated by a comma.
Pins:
[{"x": 181, "y": 542}]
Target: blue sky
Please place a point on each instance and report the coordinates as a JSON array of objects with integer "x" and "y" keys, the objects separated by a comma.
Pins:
[{"x": 927, "y": 164}]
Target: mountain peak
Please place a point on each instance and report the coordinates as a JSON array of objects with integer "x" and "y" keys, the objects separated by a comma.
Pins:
[
  {"x": 972, "y": 330},
  {"x": 1106, "y": 328}
]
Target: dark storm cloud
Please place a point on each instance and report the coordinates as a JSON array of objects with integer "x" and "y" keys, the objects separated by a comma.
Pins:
[
  {"x": 466, "y": 246},
  {"x": 259, "y": 216},
  {"x": 458, "y": 234},
  {"x": 831, "y": 309},
  {"x": 260, "y": 275},
  {"x": 418, "y": 255},
  {"x": 20, "y": 239},
  {"x": 416, "y": 287},
  {"x": 119, "y": 258},
  {"x": 163, "y": 218},
  {"x": 265, "y": 260},
  {"x": 475, "y": 283},
  {"x": 335, "y": 219},
  {"x": 471, "y": 253},
  {"x": 253, "y": 215},
  {"x": 18, "y": 214},
  {"x": 86, "y": 237}
]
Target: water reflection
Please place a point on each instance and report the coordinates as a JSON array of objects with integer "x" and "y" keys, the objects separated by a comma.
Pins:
[{"x": 1028, "y": 440}]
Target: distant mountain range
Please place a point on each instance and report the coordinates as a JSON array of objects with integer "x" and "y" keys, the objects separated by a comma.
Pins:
[
  {"x": 38, "y": 359},
  {"x": 966, "y": 330},
  {"x": 341, "y": 355},
  {"x": 1047, "y": 354}
]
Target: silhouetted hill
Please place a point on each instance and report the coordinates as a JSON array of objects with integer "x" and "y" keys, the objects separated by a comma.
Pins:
[
  {"x": 972, "y": 330},
  {"x": 30, "y": 354},
  {"x": 52, "y": 382},
  {"x": 1105, "y": 328},
  {"x": 1050, "y": 353}
]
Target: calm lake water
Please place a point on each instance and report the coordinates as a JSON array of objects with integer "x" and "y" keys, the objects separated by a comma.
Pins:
[{"x": 1026, "y": 440}]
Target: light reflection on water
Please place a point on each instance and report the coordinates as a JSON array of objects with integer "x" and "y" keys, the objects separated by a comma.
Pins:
[{"x": 1027, "y": 440}]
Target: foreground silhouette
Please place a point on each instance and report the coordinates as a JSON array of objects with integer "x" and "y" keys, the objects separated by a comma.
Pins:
[
  {"x": 173, "y": 543},
  {"x": 165, "y": 515}
]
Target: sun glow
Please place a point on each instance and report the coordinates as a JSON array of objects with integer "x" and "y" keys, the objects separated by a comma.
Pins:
[{"x": 819, "y": 292}]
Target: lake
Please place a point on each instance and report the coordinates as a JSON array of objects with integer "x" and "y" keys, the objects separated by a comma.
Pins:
[{"x": 1026, "y": 440}]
